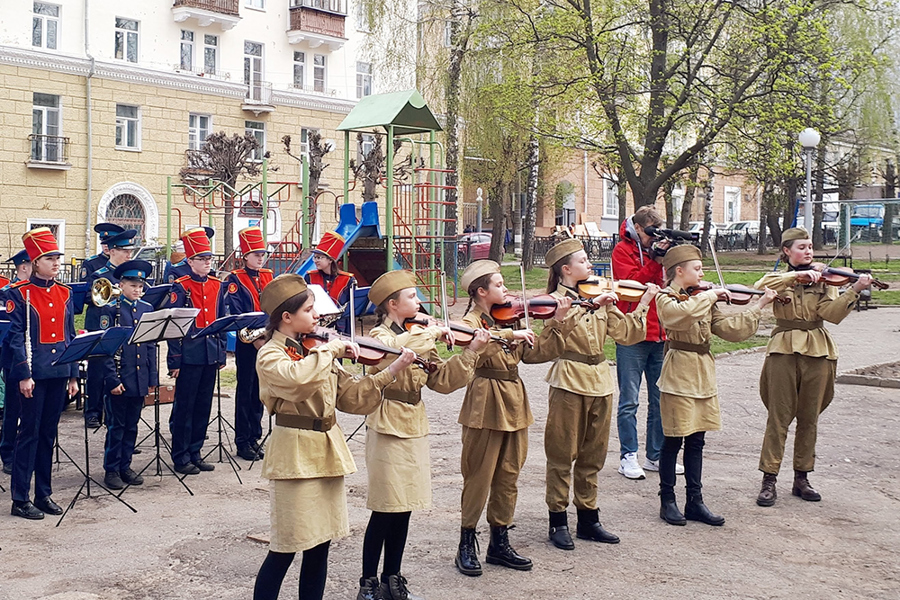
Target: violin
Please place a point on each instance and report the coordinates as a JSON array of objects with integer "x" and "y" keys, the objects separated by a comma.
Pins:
[
  {"x": 462, "y": 335},
  {"x": 740, "y": 294},
  {"x": 371, "y": 351},
  {"x": 841, "y": 277},
  {"x": 540, "y": 307},
  {"x": 627, "y": 290}
]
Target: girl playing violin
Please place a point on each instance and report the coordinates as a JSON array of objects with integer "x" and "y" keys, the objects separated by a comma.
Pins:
[
  {"x": 495, "y": 417},
  {"x": 689, "y": 403},
  {"x": 397, "y": 453},
  {"x": 581, "y": 389},
  {"x": 797, "y": 380},
  {"x": 307, "y": 456}
]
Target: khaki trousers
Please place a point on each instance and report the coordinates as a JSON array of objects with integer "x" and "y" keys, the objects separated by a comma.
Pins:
[
  {"x": 794, "y": 386},
  {"x": 491, "y": 461},
  {"x": 577, "y": 431}
]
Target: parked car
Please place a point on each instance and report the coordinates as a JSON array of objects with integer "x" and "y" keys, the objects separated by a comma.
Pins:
[
  {"x": 750, "y": 228},
  {"x": 473, "y": 246},
  {"x": 867, "y": 215},
  {"x": 697, "y": 226}
]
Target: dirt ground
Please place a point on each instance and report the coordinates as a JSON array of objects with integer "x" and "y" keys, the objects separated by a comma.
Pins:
[
  {"x": 891, "y": 370},
  {"x": 180, "y": 546}
]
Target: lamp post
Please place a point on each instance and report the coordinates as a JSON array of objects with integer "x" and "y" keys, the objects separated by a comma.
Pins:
[{"x": 809, "y": 138}]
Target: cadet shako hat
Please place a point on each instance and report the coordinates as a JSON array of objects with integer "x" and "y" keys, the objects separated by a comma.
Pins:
[
  {"x": 330, "y": 245},
  {"x": 679, "y": 254},
  {"x": 133, "y": 269},
  {"x": 388, "y": 284},
  {"x": 561, "y": 250},
  {"x": 196, "y": 242},
  {"x": 477, "y": 269},
  {"x": 794, "y": 233},
  {"x": 280, "y": 290},
  {"x": 40, "y": 242},
  {"x": 251, "y": 240}
]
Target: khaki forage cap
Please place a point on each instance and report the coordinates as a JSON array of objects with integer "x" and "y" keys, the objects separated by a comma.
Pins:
[
  {"x": 562, "y": 250},
  {"x": 389, "y": 283},
  {"x": 680, "y": 254},
  {"x": 280, "y": 290},
  {"x": 794, "y": 233},
  {"x": 477, "y": 269}
]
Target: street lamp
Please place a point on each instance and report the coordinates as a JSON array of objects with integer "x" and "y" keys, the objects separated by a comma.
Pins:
[{"x": 809, "y": 139}]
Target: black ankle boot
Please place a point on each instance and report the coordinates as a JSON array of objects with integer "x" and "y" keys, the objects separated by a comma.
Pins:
[
  {"x": 499, "y": 551},
  {"x": 802, "y": 488},
  {"x": 559, "y": 531},
  {"x": 695, "y": 510},
  {"x": 669, "y": 512},
  {"x": 589, "y": 528},
  {"x": 467, "y": 556}
]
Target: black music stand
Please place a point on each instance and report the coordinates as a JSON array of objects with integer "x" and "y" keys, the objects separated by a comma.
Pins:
[
  {"x": 156, "y": 327},
  {"x": 252, "y": 320},
  {"x": 157, "y": 295},
  {"x": 95, "y": 344},
  {"x": 4, "y": 329}
]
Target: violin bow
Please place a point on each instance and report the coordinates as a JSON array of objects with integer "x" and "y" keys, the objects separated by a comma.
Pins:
[
  {"x": 847, "y": 245},
  {"x": 524, "y": 299},
  {"x": 353, "y": 310},
  {"x": 444, "y": 305},
  {"x": 712, "y": 249}
]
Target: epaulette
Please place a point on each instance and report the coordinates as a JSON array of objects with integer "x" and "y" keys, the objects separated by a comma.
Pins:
[
  {"x": 266, "y": 271},
  {"x": 92, "y": 257},
  {"x": 182, "y": 278},
  {"x": 19, "y": 283},
  {"x": 65, "y": 285}
]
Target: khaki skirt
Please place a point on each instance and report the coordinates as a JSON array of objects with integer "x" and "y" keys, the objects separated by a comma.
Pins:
[
  {"x": 306, "y": 513},
  {"x": 682, "y": 416},
  {"x": 399, "y": 472}
]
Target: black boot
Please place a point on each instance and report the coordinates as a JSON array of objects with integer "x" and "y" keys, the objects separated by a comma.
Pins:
[
  {"x": 467, "y": 556},
  {"x": 559, "y": 531},
  {"x": 695, "y": 510},
  {"x": 369, "y": 589},
  {"x": 395, "y": 588},
  {"x": 767, "y": 493},
  {"x": 669, "y": 512},
  {"x": 589, "y": 528},
  {"x": 499, "y": 551},
  {"x": 802, "y": 488}
]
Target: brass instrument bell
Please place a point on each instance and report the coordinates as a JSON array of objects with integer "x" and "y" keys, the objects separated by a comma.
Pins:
[{"x": 104, "y": 292}]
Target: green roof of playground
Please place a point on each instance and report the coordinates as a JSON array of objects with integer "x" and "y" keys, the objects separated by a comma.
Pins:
[{"x": 406, "y": 111}]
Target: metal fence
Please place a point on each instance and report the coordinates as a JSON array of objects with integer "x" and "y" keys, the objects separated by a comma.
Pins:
[{"x": 599, "y": 249}]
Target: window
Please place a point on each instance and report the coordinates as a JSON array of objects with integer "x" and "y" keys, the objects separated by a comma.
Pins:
[
  {"x": 304, "y": 140},
  {"x": 46, "y": 145},
  {"x": 362, "y": 19},
  {"x": 299, "y": 69},
  {"x": 126, "y": 39},
  {"x": 187, "y": 50},
  {"x": 45, "y": 26},
  {"x": 319, "y": 72},
  {"x": 367, "y": 145},
  {"x": 678, "y": 200},
  {"x": 128, "y": 126},
  {"x": 253, "y": 69},
  {"x": 210, "y": 53},
  {"x": 259, "y": 4},
  {"x": 126, "y": 210},
  {"x": 732, "y": 204},
  {"x": 258, "y": 130},
  {"x": 56, "y": 226},
  {"x": 198, "y": 129},
  {"x": 611, "y": 199},
  {"x": 363, "y": 79}
]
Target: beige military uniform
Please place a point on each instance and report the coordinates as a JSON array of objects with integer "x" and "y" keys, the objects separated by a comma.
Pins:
[
  {"x": 307, "y": 457},
  {"x": 689, "y": 400},
  {"x": 495, "y": 417},
  {"x": 581, "y": 395},
  {"x": 397, "y": 453},
  {"x": 797, "y": 380}
]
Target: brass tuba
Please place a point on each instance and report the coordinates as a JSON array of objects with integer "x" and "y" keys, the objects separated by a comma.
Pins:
[{"x": 104, "y": 292}]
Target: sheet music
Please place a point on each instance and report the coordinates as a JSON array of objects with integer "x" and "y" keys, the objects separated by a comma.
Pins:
[
  {"x": 323, "y": 303},
  {"x": 165, "y": 324}
]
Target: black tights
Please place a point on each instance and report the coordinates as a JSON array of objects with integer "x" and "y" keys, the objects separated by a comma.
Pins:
[
  {"x": 387, "y": 530},
  {"x": 313, "y": 570},
  {"x": 693, "y": 465}
]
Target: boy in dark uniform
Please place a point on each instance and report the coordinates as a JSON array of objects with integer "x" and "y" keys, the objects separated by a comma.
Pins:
[
  {"x": 106, "y": 231},
  {"x": 42, "y": 316},
  {"x": 11, "y": 406},
  {"x": 336, "y": 282},
  {"x": 128, "y": 382},
  {"x": 244, "y": 287},
  {"x": 194, "y": 362},
  {"x": 120, "y": 246}
]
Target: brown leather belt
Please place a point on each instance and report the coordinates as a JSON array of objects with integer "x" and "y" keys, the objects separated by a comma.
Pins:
[
  {"x": 687, "y": 347},
  {"x": 301, "y": 422},
  {"x": 401, "y": 396},
  {"x": 587, "y": 359},
  {"x": 789, "y": 324},
  {"x": 511, "y": 374}
]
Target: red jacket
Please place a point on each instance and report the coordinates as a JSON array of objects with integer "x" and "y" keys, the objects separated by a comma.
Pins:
[{"x": 627, "y": 263}]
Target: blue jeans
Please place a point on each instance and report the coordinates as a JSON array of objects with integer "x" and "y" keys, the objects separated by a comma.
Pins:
[{"x": 632, "y": 363}]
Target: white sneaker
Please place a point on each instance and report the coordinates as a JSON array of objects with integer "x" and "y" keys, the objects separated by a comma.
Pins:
[
  {"x": 653, "y": 465},
  {"x": 630, "y": 468}
]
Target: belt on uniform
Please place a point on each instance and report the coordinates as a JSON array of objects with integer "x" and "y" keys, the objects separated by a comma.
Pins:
[
  {"x": 687, "y": 347},
  {"x": 511, "y": 374},
  {"x": 401, "y": 396},
  {"x": 302, "y": 422},
  {"x": 588, "y": 359},
  {"x": 789, "y": 324}
]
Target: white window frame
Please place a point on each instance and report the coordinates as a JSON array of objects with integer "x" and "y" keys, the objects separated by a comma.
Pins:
[
  {"x": 302, "y": 65},
  {"x": 368, "y": 144},
  {"x": 731, "y": 197},
  {"x": 678, "y": 193},
  {"x": 610, "y": 199},
  {"x": 258, "y": 132},
  {"x": 215, "y": 50},
  {"x": 362, "y": 76},
  {"x": 126, "y": 35},
  {"x": 192, "y": 56},
  {"x": 362, "y": 19},
  {"x": 320, "y": 82},
  {"x": 123, "y": 122},
  {"x": 255, "y": 4},
  {"x": 44, "y": 123},
  {"x": 45, "y": 20},
  {"x": 32, "y": 223},
  {"x": 194, "y": 141}
]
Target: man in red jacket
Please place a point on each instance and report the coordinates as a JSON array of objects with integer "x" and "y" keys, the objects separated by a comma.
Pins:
[{"x": 635, "y": 258}]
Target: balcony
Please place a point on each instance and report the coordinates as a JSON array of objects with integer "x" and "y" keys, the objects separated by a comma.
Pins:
[
  {"x": 318, "y": 22},
  {"x": 206, "y": 12},
  {"x": 258, "y": 98},
  {"x": 49, "y": 152}
]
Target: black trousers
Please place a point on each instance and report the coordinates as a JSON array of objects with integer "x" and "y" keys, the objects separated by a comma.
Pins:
[
  {"x": 248, "y": 409},
  {"x": 94, "y": 403},
  {"x": 10, "y": 427},
  {"x": 33, "y": 454},
  {"x": 693, "y": 465},
  {"x": 190, "y": 411}
]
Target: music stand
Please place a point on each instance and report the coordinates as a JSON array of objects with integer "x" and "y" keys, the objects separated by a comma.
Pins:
[
  {"x": 155, "y": 327},
  {"x": 95, "y": 344},
  {"x": 156, "y": 295},
  {"x": 252, "y": 320},
  {"x": 4, "y": 329}
]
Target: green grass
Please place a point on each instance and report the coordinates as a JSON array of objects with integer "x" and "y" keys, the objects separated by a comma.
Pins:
[
  {"x": 887, "y": 298},
  {"x": 535, "y": 279},
  {"x": 228, "y": 377}
]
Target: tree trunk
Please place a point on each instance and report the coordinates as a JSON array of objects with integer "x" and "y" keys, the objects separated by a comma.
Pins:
[
  {"x": 818, "y": 195},
  {"x": 763, "y": 223},
  {"x": 622, "y": 193},
  {"x": 690, "y": 193},
  {"x": 228, "y": 234},
  {"x": 498, "y": 220},
  {"x": 667, "y": 199},
  {"x": 707, "y": 213},
  {"x": 890, "y": 191},
  {"x": 531, "y": 191}
]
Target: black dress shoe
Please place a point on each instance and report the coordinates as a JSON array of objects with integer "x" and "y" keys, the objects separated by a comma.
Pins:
[
  {"x": 7, "y": 468},
  {"x": 130, "y": 477},
  {"x": 203, "y": 465},
  {"x": 48, "y": 506},
  {"x": 26, "y": 510},
  {"x": 561, "y": 537},
  {"x": 187, "y": 469},
  {"x": 92, "y": 423},
  {"x": 113, "y": 481},
  {"x": 138, "y": 451},
  {"x": 260, "y": 453},
  {"x": 595, "y": 533},
  {"x": 499, "y": 551},
  {"x": 247, "y": 453},
  {"x": 669, "y": 512},
  {"x": 695, "y": 510}
]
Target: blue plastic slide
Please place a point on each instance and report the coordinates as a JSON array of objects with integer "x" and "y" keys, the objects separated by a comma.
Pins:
[{"x": 350, "y": 229}]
